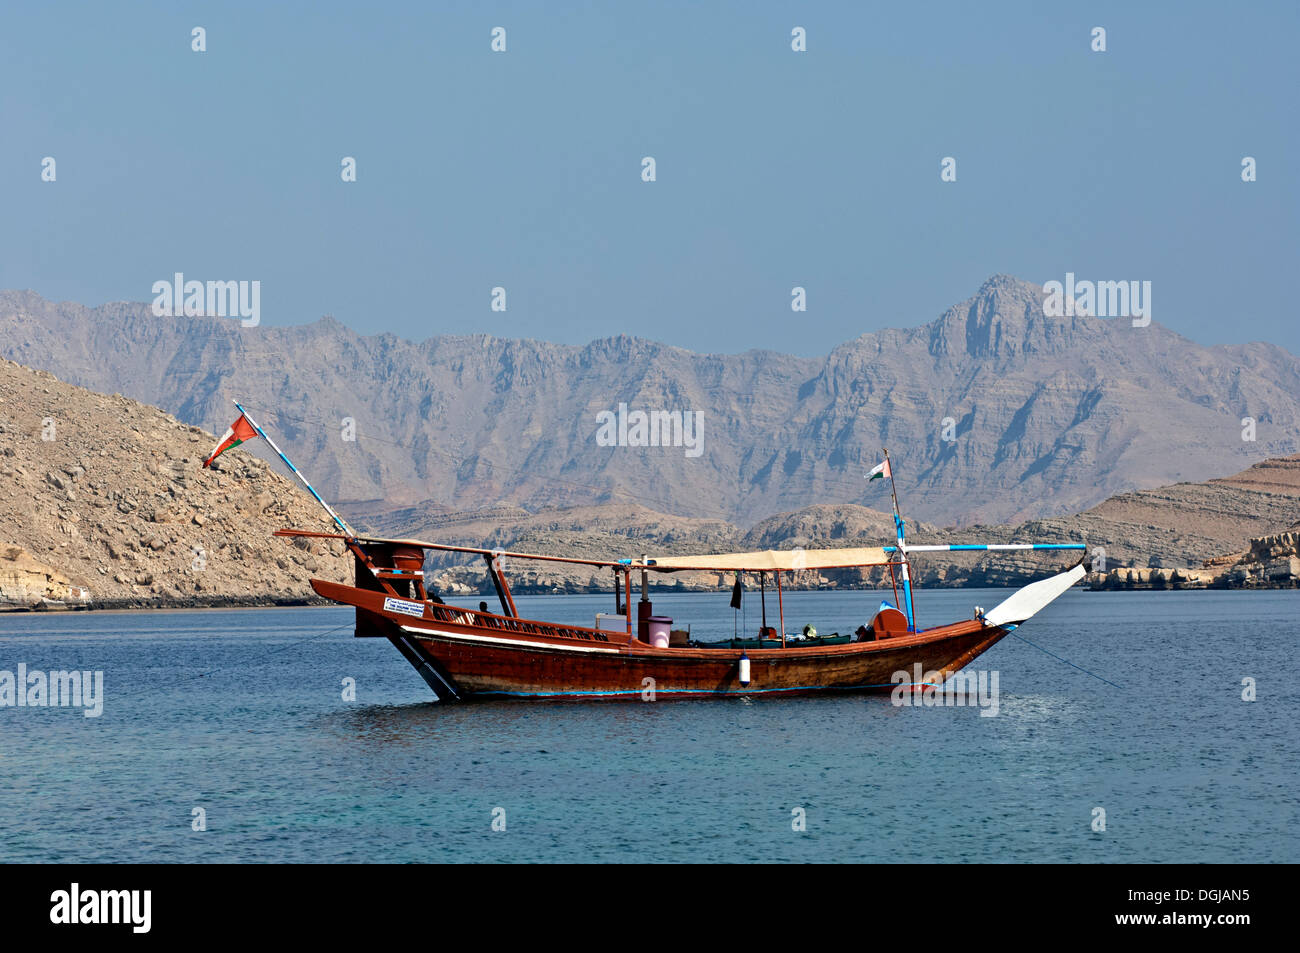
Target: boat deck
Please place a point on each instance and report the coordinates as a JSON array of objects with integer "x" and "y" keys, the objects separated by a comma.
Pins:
[{"x": 458, "y": 616}]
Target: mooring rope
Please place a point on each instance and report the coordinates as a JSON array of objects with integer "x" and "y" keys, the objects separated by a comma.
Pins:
[{"x": 1067, "y": 661}]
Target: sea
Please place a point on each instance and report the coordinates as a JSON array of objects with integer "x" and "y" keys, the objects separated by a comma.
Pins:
[{"x": 1129, "y": 727}]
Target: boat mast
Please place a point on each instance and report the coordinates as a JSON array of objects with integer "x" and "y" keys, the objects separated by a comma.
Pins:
[
  {"x": 902, "y": 548},
  {"x": 347, "y": 530}
]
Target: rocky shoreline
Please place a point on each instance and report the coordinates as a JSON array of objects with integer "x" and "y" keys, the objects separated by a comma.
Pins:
[
  {"x": 1271, "y": 562},
  {"x": 27, "y": 585},
  {"x": 183, "y": 604}
]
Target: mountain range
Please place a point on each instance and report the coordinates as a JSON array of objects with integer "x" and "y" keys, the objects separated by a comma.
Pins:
[{"x": 993, "y": 412}]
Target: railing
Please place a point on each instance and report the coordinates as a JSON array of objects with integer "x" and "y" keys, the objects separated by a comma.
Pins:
[{"x": 488, "y": 620}]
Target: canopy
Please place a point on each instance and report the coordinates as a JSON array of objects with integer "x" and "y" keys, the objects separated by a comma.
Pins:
[
  {"x": 772, "y": 560},
  {"x": 763, "y": 560}
]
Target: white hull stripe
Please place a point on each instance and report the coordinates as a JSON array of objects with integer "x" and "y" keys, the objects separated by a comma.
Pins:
[{"x": 465, "y": 637}]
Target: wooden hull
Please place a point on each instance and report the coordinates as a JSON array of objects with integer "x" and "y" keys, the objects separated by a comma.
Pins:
[{"x": 464, "y": 654}]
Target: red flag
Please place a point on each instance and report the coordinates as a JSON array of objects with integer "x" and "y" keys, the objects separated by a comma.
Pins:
[{"x": 235, "y": 434}]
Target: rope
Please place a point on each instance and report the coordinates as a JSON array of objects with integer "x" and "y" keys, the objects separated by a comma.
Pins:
[{"x": 1067, "y": 661}]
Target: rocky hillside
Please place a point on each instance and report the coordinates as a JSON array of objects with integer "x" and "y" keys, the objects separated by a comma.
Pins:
[
  {"x": 1045, "y": 416},
  {"x": 110, "y": 493},
  {"x": 1182, "y": 525},
  {"x": 1158, "y": 536},
  {"x": 598, "y": 532}
]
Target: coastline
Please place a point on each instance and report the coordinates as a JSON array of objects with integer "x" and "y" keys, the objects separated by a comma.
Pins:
[
  {"x": 179, "y": 605},
  {"x": 1111, "y": 582}
]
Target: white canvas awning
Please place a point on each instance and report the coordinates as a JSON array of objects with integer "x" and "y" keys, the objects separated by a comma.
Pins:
[{"x": 772, "y": 560}]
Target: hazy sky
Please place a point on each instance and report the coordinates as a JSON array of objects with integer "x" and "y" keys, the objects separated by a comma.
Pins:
[{"x": 775, "y": 169}]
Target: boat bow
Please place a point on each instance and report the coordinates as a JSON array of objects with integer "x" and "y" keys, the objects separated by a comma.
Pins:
[{"x": 1025, "y": 603}]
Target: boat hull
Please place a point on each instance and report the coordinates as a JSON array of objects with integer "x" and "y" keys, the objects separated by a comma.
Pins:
[{"x": 465, "y": 655}]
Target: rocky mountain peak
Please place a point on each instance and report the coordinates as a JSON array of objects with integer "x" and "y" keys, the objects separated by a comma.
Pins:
[
  {"x": 994, "y": 410},
  {"x": 1004, "y": 319}
]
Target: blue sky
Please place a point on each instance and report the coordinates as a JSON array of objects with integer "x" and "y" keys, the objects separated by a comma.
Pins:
[{"x": 774, "y": 168}]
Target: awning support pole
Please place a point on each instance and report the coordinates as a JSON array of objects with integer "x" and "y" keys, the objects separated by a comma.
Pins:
[
  {"x": 499, "y": 583},
  {"x": 781, "y": 608}
]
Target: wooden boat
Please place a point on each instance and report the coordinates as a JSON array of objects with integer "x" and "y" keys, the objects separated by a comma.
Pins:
[
  {"x": 465, "y": 653},
  {"x": 472, "y": 653}
]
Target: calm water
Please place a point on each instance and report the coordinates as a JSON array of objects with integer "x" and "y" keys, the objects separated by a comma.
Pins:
[{"x": 241, "y": 713}]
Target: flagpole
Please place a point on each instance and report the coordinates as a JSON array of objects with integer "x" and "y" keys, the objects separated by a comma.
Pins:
[
  {"x": 902, "y": 546},
  {"x": 893, "y": 490},
  {"x": 289, "y": 463}
]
